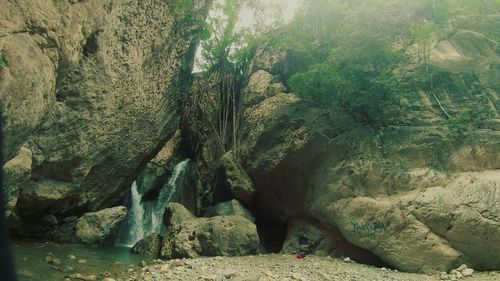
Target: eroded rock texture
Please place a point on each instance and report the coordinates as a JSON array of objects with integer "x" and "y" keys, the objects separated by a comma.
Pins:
[
  {"x": 190, "y": 237},
  {"x": 403, "y": 182},
  {"x": 91, "y": 89},
  {"x": 99, "y": 227}
]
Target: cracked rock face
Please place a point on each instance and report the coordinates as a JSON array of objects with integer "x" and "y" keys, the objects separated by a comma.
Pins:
[
  {"x": 190, "y": 237},
  {"x": 412, "y": 190},
  {"x": 98, "y": 227},
  {"x": 90, "y": 88}
]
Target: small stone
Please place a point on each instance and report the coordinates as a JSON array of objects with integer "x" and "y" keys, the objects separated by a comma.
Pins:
[
  {"x": 82, "y": 261},
  {"x": 459, "y": 275},
  {"x": 176, "y": 263},
  {"x": 383, "y": 269},
  {"x": 467, "y": 272},
  {"x": 209, "y": 278},
  {"x": 108, "y": 279},
  {"x": 68, "y": 269},
  {"x": 49, "y": 220},
  {"x": 348, "y": 259},
  {"x": 53, "y": 260},
  {"x": 80, "y": 276},
  {"x": 443, "y": 276},
  {"x": 67, "y": 279},
  {"x": 142, "y": 264},
  {"x": 229, "y": 274},
  {"x": 462, "y": 267},
  {"x": 71, "y": 257}
]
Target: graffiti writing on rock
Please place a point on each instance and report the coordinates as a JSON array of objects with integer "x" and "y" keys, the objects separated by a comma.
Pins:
[{"x": 367, "y": 229}]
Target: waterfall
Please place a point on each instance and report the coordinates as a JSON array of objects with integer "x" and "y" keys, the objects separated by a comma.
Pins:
[{"x": 145, "y": 218}]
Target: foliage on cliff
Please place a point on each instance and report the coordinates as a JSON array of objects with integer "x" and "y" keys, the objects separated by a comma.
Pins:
[
  {"x": 352, "y": 49},
  {"x": 351, "y": 53}
]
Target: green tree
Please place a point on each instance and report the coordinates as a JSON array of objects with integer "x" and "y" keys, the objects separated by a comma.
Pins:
[
  {"x": 321, "y": 83},
  {"x": 423, "y": 35}
]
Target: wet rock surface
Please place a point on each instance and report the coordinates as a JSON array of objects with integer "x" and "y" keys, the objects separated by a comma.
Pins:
[
  {"x": 77, "y": 72},
  {"x": 188, "y": 236},
  {"x": 149, "y": 245},
  {"x": 98, "y": 227}
]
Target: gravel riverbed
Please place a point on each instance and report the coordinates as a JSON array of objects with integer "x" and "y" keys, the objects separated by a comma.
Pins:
[{"x": 278, "y": 267}]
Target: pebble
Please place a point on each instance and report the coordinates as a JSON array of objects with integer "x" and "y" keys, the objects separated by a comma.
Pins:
[
  {"x": 462, "y": 267},
  {"x": 67, "y": 269},
  {"x": 142, "y": 264},
  {"x": 467, "y": 272},
  {"x": 209, "y": 278},
  {"x": 176, "y": 263},
  {"x": 52, "y": 260},
  {"x": 72, "y": 257},
  {"x": 80, "y": 276},
  {"x": 108, "y": 279},
  {"x": 348, "y": 259},
  {"x": 82, "y": 261},
  {"x": 230, "y": 274},
  {"x": 383, "y": 269}
]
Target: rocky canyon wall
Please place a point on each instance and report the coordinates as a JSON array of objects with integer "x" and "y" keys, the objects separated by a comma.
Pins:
[
  {"x": 407, "y": 183},
  {"x": 88, "y": 94}
]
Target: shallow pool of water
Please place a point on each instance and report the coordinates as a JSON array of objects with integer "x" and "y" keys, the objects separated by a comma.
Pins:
[{"x": 31, "y": 264}]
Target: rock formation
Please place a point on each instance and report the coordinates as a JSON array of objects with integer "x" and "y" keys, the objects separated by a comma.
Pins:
[
  {"x": 76, "y": 73},
  {"x": 407, "y": 185},
  {"x": 189, "y": 237},
  {"x": 98, "y": 227},
  {"x": 150, "y": 245}
]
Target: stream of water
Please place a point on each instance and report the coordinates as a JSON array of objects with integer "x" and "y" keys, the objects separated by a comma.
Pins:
[
  {"x": 31, "y": 265},
  {"x": 146, "y": 217}
]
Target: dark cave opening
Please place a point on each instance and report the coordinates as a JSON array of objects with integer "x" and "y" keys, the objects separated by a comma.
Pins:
[
  {"x": 271, "y": 234},
  {"x": 90, "y": 47}
]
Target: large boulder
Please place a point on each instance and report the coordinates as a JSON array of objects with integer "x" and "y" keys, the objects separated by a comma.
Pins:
[
  {"x": 237, "y": 180},
  {"x": 189, "y": 237},
  {"x": 233, "y": 208},
  {"x": 98, "y": 227},
  {"x": 92, "y": 89},
  {"x": 261, "y": 85},
  {"x": 149, "y": 245},
  {"x": 17, "y": 173}
]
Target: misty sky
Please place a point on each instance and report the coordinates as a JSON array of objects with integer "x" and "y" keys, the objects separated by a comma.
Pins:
[
  {"x": 289, "y": 8},
  {"x": 246, "y": 17}
]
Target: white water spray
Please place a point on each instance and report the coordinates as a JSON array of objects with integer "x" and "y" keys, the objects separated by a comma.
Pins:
[{"x": 146, "y": 218}]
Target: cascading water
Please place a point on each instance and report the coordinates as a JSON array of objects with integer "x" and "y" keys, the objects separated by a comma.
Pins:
[{"x": 145, "y": 218}]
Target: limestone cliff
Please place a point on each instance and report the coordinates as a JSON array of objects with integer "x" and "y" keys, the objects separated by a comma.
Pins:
[
  {"x": 409, "y": 184},
  {"x": 90, "y": 89}
]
